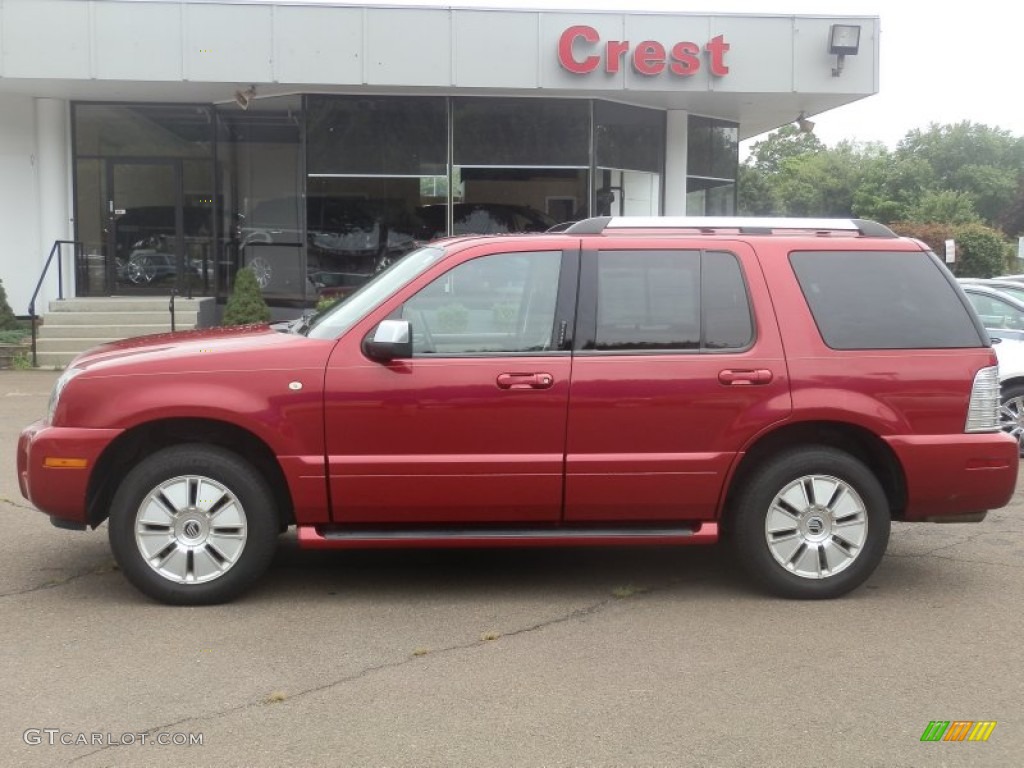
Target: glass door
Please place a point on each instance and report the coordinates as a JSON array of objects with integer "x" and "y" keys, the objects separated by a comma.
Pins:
[{"x": 145, "y": 227}]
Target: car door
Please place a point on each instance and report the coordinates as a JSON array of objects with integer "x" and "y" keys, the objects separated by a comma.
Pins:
[
  {"x": 470, "y": 428},
  {"x": 678, "y": 363}
]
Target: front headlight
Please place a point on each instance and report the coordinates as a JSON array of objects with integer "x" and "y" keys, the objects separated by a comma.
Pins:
[{"x": 62, "y": 382}]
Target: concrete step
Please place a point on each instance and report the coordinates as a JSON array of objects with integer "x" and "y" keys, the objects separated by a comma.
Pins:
[
  {"x": 64, "y": 319},
  {"x": 123, "y": 304},
  {"x": 51, "y": 331}
]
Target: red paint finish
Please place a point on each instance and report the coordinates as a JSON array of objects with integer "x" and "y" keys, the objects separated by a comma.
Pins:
[
  {"x": 541, "y": 443},
  {"x": 652, "y": 437},
  {"x": 59, "y": 492},
  {"x": 973, "y": 474},
  {"x": 441, "y": 440}
]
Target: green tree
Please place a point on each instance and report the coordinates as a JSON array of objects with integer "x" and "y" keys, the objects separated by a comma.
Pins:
[
  {"x": 768, "y": 155},
  {"x": 970, "y": 158},
  {"x": 8, "y": 322},
  {"x": 245, "y": 304},
  {"x": 945, "y": 205}
]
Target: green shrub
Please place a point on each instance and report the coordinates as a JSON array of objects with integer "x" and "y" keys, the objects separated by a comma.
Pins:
[
  {"x": 980, "y": 251},
  {"x": 8, "y": 322},
  {"x": 246, "y": 304}
]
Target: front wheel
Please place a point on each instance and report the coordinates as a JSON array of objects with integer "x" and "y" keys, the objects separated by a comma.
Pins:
[
  {"x": 193, "y": 525},
  {"x": 811, "y": 523}
]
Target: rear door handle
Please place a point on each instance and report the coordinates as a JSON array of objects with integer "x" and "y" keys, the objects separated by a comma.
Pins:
[
  {"x": 740, "y": 377},
  {"x": 525, "y": 380}
]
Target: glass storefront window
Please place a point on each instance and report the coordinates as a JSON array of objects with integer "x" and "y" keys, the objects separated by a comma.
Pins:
[
  {"x": 520, "y": 132},
  {"x": 710, "y": 197},
  {"x": 712, "y": 162},
  {"x": 144, "y": 198},
  {"x": 261, "y": 186},
  {"x": 318, "y": 193},
  {"x": 712, "y": 148},
  {"x": 629, "y": 146},
  {"x": 377, "y": 135},
  {"x": 143, "y": 130},
  {"x": 521, "y": 165},
  {"x": 375, "y": 167}
]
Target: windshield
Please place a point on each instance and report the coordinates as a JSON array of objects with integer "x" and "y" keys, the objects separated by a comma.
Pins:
[{"x": 339, "y": 318}]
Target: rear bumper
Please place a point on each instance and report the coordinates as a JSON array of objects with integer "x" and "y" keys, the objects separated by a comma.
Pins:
[
  {"x": 956, "y": 475},
  {"x": 59, "y": 491}
]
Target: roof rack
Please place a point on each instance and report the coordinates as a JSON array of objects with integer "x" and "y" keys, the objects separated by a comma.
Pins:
[{"x": 745, "y": 225}]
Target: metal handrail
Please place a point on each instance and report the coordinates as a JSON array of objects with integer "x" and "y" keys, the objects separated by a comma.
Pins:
[{"x": 56, "y": 249}]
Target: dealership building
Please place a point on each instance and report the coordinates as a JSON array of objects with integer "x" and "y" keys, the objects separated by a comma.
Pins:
[{"x": 175, "y": 142}]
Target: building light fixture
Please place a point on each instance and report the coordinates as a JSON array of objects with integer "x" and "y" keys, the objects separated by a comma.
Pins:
[
  {"x": 244, "y": 98},
  {"x": 805, "y": 125},
  {"x": 843, "y": 41}
]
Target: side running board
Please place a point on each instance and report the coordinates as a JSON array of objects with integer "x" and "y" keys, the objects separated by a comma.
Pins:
[{"x": 338, "y": 537}]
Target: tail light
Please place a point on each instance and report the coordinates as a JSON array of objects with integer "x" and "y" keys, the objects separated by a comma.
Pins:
[{"x": 983, "y": 413}]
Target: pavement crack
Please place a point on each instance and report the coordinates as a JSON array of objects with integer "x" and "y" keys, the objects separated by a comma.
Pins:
[
  {"x": 573, "y": 615},
  {"x": 98, "y": 570},
  {"x": 18, "y": 504}
]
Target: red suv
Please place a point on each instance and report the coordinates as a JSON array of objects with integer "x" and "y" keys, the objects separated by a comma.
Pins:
[{"x": 792, "y": 385}]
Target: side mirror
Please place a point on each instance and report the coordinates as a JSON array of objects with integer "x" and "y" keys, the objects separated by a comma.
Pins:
[{"x": 391, "y": 339}]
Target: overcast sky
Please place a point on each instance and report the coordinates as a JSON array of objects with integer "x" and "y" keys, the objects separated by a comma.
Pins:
[{"x": 941, "y": 61}]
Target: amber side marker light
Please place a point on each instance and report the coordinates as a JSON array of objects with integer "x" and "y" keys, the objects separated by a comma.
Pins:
[{"x": 58, "y": 463}]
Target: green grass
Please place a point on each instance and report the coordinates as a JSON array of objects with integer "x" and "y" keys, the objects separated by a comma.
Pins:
[{"x": 14, "y": 337}]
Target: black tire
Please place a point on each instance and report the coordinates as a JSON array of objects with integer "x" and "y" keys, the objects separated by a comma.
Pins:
[
  {"x": 206, "y": 556},
  {"x": 843, "y": 537},
  {"x": 1011, "y": 414}
]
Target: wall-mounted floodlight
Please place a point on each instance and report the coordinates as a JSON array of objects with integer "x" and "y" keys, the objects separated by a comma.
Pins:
[
  {"x": 843, "y": 41},
  {"x": 244, "y": 98},
  {"x": 805, "y": 125}
]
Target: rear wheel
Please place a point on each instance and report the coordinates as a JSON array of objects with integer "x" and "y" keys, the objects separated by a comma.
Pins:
[
  {"x": 811, "y": 523},
  {"x": 193, "y": 525},
  {"x": 1011, "y": 414}
]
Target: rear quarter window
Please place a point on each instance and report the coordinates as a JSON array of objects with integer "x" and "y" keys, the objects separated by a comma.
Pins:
[{"x": 883, "y": 300}]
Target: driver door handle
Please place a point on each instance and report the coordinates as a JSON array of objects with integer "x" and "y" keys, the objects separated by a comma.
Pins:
[{"x": 525, "y": 380}]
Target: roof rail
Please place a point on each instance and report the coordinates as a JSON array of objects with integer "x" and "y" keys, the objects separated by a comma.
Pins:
[{"x": 746, "y": 225}]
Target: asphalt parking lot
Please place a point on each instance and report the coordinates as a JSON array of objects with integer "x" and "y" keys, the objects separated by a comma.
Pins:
[{"x": 619, "y": 657}]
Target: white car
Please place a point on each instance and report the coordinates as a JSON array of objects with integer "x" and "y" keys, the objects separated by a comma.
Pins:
[{"x": 1011, "y": 380}]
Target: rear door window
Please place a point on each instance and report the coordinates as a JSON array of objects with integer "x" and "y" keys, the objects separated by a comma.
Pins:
[
  {"x": 884, "y": 300},
  {"x": 670, "y": 300}
]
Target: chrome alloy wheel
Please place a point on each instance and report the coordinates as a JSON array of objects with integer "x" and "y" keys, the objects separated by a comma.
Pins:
[
  {"x": 816, "y": 526},
  {"x": 1011, "y": 418},
  {"x": 190, "y": 529}
]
